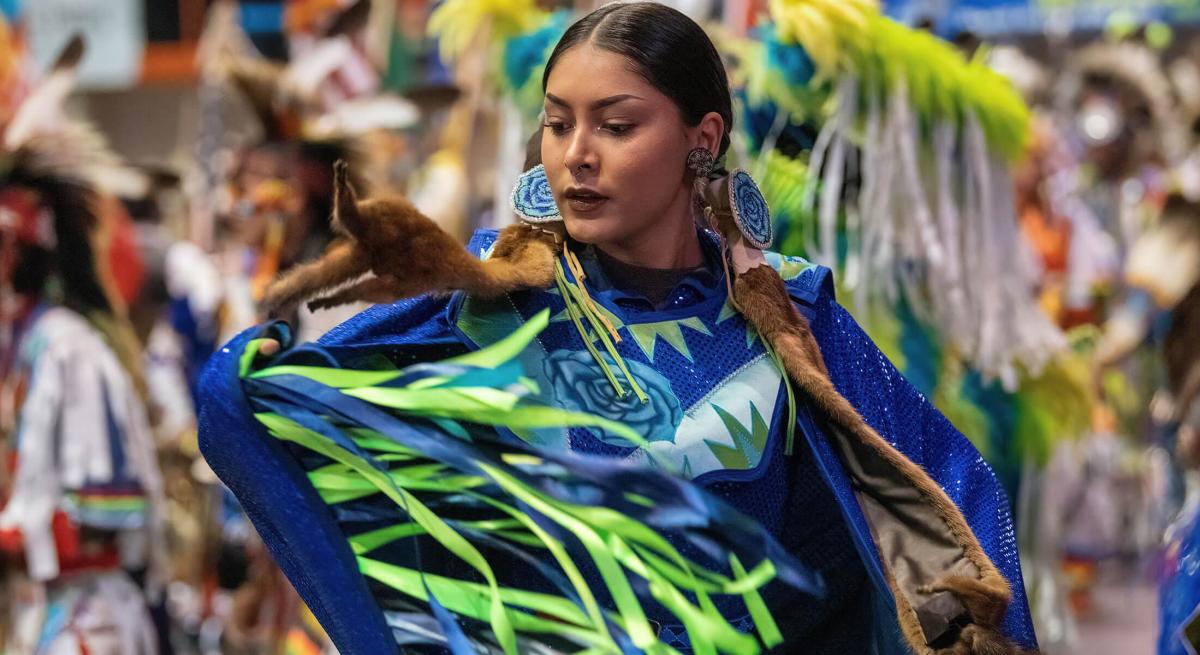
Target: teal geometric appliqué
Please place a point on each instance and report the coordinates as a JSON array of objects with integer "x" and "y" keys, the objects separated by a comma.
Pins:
[
  {"x": 789, "y": 268},
  {"x": 727, "y": 312},
  {"x": 646, "y": 335},
  {"x": 749, "y": 442}
]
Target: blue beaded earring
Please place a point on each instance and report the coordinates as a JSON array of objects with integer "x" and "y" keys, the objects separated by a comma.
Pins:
[
  {"x": 746, "y": 202},
  {"x": 750, "y": 210},
  {"x": 531, "y": 198}
]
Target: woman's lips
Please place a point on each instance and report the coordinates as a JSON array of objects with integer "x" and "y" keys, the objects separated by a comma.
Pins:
[
  {"x": 585, "y": 205},
  {"x": 584, "y": 202}
]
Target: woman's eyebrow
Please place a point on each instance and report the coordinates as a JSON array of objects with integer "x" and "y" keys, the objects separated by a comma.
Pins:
[{"x": 599, "y": 104}]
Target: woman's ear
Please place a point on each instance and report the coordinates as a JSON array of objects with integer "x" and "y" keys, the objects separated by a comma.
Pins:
[{"x": 710, "y": 131}]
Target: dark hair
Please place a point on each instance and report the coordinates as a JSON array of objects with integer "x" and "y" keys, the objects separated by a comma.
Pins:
[
  {"x": 73, "y": 205},
  {"x": 533, "y": 150},
  {"x": 668, "y": 49}
]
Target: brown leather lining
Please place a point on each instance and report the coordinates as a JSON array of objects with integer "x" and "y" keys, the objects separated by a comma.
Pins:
[
  {"x": 907, "y": 530},
  {"x": 914, "y": 542},
  {"x": 924, "y": 542}
]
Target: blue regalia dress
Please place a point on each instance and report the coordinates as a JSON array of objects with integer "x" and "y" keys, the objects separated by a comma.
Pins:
[
  {"x": 717, "y": 408},
  {"x": 1179, "y": 596}
]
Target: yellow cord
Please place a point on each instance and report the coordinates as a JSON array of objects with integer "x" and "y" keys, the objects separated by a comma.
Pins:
[
  {"x": 580, "y": 305},
  {"x": 574, "y": 312},
  {"x": 791, "y": 399},
  {"x": 577, "y": 271}
]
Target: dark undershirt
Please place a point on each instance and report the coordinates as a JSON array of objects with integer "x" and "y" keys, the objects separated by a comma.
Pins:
[{"x": 655, "y": 284}]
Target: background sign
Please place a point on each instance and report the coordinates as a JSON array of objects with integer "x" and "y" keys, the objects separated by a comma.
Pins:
[{"x": 114, "y": 32}]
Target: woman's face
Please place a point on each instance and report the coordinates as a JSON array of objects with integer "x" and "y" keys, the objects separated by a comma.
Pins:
[{"x": 615, "y": 148}]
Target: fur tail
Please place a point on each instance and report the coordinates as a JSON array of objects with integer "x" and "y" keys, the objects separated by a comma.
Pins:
[
  {"x": 522, "y": 259},
  {"x": 764, "y": 300},
  {"x": 341, "y": 263}
]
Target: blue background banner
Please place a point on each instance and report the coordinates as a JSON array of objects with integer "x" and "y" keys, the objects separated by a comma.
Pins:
[{"x": 1016, "y": 17}]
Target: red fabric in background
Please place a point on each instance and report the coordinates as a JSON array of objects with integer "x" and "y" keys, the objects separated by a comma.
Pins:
[
  {"x": 128, "y": 271},
  {"x": 71, "y": 555}
]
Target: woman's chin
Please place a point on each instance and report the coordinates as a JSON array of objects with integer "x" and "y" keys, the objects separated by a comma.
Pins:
[{"x": 592, "y": 229}]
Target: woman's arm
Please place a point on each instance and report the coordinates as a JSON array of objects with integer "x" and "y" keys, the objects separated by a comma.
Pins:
[
  {"x": 295, "y": 523},
  {"x": 907, "y": 420}
]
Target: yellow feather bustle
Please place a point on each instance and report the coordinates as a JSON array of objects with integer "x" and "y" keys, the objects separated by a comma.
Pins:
[
  {"x": 832, "y": 32},
  {"x": 456, "y": 23}
]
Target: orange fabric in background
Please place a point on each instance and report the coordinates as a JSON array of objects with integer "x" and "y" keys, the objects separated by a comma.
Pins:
[{"x": 1050, "y": 239}]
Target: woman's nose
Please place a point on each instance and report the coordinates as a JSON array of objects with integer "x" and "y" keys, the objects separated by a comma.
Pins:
[{"x": 580, "y": 155}]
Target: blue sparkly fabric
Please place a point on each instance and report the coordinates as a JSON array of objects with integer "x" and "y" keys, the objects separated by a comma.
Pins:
[
  {"x": 806, "y": 499},
  {"x": 907, "y": 420},
  {"x": 698, "y": 346},
  {"x": 1179, "y": 597},
  {"x": 700, "y": 364}
]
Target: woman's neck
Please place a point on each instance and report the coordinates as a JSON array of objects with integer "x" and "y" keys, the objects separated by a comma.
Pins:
[{"x": 669, "y": 244}]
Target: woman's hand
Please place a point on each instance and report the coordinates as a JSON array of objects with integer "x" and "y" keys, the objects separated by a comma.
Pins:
[{"x": 268, "y": 348}]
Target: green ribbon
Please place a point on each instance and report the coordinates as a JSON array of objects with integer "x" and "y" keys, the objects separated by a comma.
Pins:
[
  {"x": 617, "y": 545},
  {"x": 791, "y": 399}
]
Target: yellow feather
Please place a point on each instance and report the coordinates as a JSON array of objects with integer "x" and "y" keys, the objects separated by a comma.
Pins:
[
  {"x": 800, "y": 22},
  {"x": 843, "y": 14},
  {"x": 829, "y": 30},
  {"x": 455, "y": 23}
]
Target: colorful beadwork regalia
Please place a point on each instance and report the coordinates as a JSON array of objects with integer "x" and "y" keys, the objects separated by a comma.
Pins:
[
  {"x": 1152, "y": 327},
  {"x": 522, "y": 454},
  {"x": 80, "y": 493},
  {"x": 552, "y": 462},
  {"x": 1165, "y": 280},
  {"x": 1162, "y": 309}
]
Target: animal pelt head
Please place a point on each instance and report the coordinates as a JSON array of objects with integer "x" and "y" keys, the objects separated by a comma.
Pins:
[{"x": 408, "y": 254}]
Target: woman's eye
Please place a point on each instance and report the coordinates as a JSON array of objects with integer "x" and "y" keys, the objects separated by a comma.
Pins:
[
  {"x": 617, "y": 128},
  {"x": 555, "y": 127}
]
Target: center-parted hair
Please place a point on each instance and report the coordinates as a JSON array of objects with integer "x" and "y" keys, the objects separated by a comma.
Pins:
[{"x": 667, "y": 48}]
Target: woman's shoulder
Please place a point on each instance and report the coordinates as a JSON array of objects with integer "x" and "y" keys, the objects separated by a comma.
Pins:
[
  {"x": 809, "y": 284},
  {"x": 410, "y": 320},
  {"x": 482, "y": 241},
  {"x": 806, "y": 282}
]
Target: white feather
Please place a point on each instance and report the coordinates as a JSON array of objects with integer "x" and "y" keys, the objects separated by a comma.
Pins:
[
  {"x": 356, "y": 117},
  {"x": 42, "y": 112},
  {"x": 305, "y": 75}
]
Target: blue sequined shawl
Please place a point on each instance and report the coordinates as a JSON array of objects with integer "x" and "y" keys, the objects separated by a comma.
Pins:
[{"x": 306, "y": 541}]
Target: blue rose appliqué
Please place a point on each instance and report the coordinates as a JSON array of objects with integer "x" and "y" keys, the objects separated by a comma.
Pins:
[
  {"x": 580, "y": 385},
  {"x": 532, "y": 199}
]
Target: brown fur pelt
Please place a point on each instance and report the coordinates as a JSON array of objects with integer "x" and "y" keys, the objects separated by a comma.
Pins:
[
  {"x": 986, "y": 607},
  {"x": 407, "y": 255}
]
